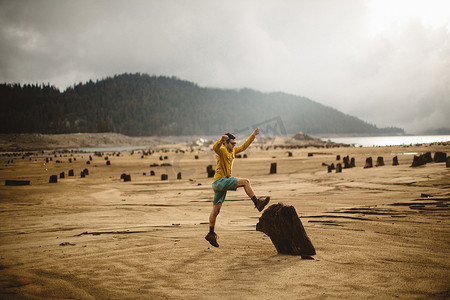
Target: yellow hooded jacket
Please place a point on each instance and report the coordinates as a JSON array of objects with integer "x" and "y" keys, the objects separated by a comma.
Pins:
[{"x": 225, "y": 158}]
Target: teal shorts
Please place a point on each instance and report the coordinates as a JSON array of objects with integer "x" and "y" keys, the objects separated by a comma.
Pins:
[{"x": 221, "y": 186}]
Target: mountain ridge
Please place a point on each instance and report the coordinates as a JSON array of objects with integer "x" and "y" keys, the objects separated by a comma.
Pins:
[{"x": 143, "y": 105}]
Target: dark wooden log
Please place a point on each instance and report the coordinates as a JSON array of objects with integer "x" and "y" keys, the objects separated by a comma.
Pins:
[
  {"x": 440, "y": 157},
  {"x": 17, "y": 182},
  {"x": 380, "y": 161},
  {"x": 273, "y": 168},
  {"x": 282, "y": 224},
  {"x": 53, "y": 179},
  {"x": 70, "y": 173},
  {"x": 395, "y": 161},
  {"x": 164, "y": 177},
  {"x": 338, "y": 168},
  {"x": 368, "y": 163}
]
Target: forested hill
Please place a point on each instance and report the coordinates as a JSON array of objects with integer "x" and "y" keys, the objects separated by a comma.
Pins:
[{"x": 143, "y": 105}]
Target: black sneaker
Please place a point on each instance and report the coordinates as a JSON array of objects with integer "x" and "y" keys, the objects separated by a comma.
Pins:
[
  {"x": 262, "y": 202},
  {"x": 212, "y": 239}
]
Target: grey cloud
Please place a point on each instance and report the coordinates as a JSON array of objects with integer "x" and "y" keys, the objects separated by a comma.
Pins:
[{"x": 317, "y": 49}]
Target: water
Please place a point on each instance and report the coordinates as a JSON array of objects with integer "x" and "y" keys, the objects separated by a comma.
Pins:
[{"x": 373, "y": 141}]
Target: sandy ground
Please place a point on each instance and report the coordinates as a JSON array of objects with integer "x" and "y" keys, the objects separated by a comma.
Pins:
[{"x": 375, "y": 234}]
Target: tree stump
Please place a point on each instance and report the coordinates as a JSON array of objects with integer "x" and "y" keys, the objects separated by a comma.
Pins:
[
  {"x": 395, "y": 161},
  {"x": 346, "y": 161},
  {"x": 273, "y": 168},
  {"x": 428, "y": 157},
  {"x": 368, "y": 163},
  {"x": 211, "y": 172},
  {"x": 380, "y": 161},
  {"x": 352, "y": 162},
  {"x": 282, "y": 224},
  {"x": 440, "y": 157},
  {"x": 418, "y": 161}
]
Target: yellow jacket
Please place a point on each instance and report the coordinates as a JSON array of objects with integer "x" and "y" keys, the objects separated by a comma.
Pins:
[{"x": 225, "y": 158}]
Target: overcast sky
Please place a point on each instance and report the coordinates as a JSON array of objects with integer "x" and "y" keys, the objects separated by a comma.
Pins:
[{"x": 385, "y": 61}]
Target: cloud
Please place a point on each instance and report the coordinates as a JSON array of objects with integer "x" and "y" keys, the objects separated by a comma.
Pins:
[{"x": 325, "y": 50}]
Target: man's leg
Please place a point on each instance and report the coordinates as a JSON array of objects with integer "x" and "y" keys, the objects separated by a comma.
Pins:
[
  {"x": 244, "y": 182},
  {"x": 211, "y": 237},
  {"x": 259, "y": 203},
  {"x": 214, "y": 213}
]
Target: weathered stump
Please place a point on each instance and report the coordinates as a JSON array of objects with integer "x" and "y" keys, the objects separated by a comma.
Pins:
[
  {"x": 368, "y": 163},
  {"x": 395, "y": 161},
  {"x": 125, "y": 177},
  {"x": 418, "y": 161},
  {"x": 338, "y": 168},
  {"x": 282, "y": 224},
  {"x": 211, "y": 172},
  {"x": 440, "y": 157},
  {"x": 380, "y": 161},
  {"x": 346, "y": 161},
  {"x": 273, "y": 168},
  {"x": 53, "y": 179},
  {"x": 164, "y": 177},
  {"x": 428, "y": 157}
]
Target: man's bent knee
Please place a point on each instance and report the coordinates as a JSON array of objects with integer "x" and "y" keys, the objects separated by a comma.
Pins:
[{"x": 243, "y": 182}]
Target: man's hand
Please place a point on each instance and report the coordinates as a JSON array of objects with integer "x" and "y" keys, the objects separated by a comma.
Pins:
[
  {"x": 224, "y": 137},
  {"x": 256, "y": 132}
]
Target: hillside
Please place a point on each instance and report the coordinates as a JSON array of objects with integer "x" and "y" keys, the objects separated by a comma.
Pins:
[{"x": 143, "y": 105}]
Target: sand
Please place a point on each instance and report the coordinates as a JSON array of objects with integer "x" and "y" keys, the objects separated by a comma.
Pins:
[{"x": 379, "y": 233}]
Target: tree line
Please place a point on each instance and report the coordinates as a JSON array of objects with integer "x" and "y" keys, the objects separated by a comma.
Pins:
[{"x": 144, "y": 105}]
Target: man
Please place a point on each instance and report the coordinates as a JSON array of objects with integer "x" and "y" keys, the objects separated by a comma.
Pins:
[{"x": 226, "y": 150}]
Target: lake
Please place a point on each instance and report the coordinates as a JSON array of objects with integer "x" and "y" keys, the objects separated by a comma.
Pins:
[{"x": 373, "y": 141}]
